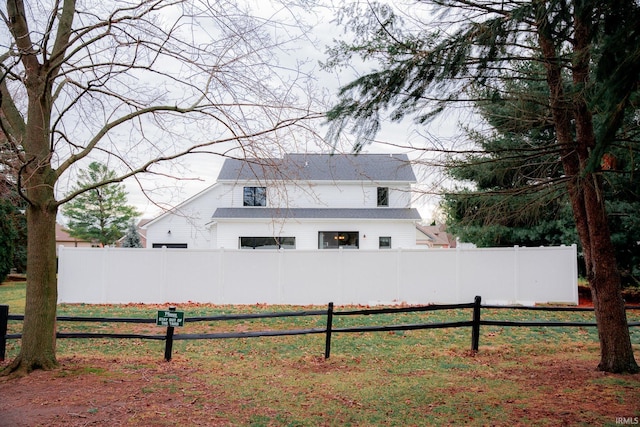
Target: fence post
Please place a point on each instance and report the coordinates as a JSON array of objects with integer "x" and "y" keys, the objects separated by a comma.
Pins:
[
  {"x": 327, "y": 345},
  {"x": 168, "y": 344},
  {"x": 4, "y": 319},
  {"x": 475, "y": 327}
]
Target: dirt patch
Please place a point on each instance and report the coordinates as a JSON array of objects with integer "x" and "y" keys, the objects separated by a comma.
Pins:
[
  {"x": 561, "y": 390},
  {"x": 631, "y": 295},
  {"x": 568, "y": 391},
  {"x": 79, "y": 394},
  {"x": 15, "y": 277}
]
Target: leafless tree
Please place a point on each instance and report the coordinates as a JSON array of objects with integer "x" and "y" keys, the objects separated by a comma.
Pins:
[{"x": 136, "y": 85}]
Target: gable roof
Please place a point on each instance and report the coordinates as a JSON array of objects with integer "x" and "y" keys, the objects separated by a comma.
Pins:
[
  {"x": 321, "y": 167},
  {"x": 437, "y": 236},
  {"x": 176, "y": 209},
  {"x": 62, "y": 236}
]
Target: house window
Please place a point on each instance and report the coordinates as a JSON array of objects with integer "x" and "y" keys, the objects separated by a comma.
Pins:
[
  {"x": 338, "y": 239},
  {"x": 255, "y": 196},
  {"x": 267, "y": 242},
  {"x": 384, "y": 242},
  {"x": 383, "y": 196},
  {"x": 170, "y": 245}
]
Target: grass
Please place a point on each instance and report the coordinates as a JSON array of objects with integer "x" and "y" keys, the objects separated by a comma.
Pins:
[
  {"x": 523, "y": 376},
  {"x": 353, "y": 344},
  {"x": 12, "y": 294}
]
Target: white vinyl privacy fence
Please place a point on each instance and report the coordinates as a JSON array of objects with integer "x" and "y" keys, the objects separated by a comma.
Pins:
[{"x": 500, "y": 275}]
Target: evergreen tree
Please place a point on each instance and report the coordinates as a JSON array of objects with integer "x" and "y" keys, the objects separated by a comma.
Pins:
[
  {"x": 132, "y": 238},
  {"x": 20, "y": 247},
  {"x": 499, "y": 201},
  {"x": 13, "y": 225},
  {"x": 590, "y": 53},
  {"x": 100, "y": 212},
  {"x": 8, "y": 235}
]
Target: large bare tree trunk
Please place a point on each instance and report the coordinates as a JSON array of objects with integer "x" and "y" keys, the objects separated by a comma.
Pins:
[{"x": 38, "y": 333}]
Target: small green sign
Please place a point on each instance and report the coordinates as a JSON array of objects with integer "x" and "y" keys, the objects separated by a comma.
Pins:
[{"x": 170, "y": 318}]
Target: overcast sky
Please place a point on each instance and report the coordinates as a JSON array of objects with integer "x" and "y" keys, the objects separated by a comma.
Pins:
[{"x": 201, "y": 171}]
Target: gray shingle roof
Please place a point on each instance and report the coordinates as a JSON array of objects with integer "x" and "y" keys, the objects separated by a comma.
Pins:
[
  {"x": 316, "y": 213},
  {"x": 321, "y": 167}
]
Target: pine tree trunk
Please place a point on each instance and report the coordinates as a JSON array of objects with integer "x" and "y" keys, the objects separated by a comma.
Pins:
[
  {"x": 616, "y": 351},
  {"x": 571, "y": 114}
]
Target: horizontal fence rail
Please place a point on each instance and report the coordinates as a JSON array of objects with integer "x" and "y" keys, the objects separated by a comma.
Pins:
[{"x": 474, "y": 323}]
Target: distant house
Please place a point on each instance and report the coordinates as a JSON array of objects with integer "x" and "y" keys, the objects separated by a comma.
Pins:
[
  {"x": 300, "y": 201},
  {"x": 434, "y": 236},
  {"x": 142, "y": 233},
  {"x": 63, "y": 238}
]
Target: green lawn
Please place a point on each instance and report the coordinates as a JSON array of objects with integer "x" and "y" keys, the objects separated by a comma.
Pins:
[
  {"x": 352, "y": 343},
  {"x": 521, "y": 376},
  {"x": 12, "y": 294}
]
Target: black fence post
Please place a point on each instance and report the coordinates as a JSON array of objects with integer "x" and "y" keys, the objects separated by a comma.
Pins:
[
  {"x": 168, "y": 345},
  {"x": 475, "y": 328},
  {"x": 4, "y": 319},
  {"x": 327, "y": 345}
]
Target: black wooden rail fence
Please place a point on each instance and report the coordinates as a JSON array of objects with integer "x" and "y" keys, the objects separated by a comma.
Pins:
[{"x": 475, "y": 322}]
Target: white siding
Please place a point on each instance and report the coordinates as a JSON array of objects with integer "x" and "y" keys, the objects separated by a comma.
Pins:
[
  {"x": 191, "y": 223},
  {"x": 321, "y": 195},
  {"x": 187, "y": 223},
  {"x": 306, "y": 233}
]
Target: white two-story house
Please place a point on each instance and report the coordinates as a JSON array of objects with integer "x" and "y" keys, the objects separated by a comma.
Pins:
[{"x": 301, "y": 201}]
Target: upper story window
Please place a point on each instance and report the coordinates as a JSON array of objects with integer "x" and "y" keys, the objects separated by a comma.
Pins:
[
  {"x": 383, "y": 196},
  {"x": 255, "y": 196}
]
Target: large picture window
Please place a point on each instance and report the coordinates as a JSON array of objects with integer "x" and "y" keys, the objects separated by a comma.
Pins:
[
  {"x": 338, "y": 239},
  {"x": 169, "y": 245},
  {"x": 255, "y": 196},
  {"x": 267, "y": 242}
]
